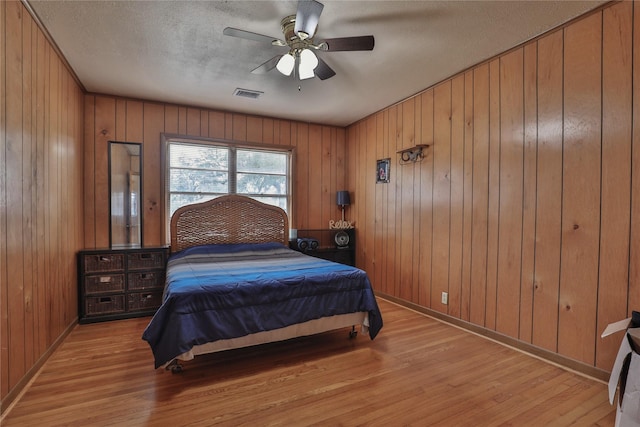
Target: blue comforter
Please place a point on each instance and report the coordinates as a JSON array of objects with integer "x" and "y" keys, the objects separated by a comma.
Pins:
[{"x": 218, "y": 292}]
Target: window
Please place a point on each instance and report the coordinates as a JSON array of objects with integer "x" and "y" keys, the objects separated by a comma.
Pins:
[{"x": 200, "y": 171}]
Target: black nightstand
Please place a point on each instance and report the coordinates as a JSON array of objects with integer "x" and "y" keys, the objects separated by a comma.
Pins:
[{"x": 327, "y": 247}]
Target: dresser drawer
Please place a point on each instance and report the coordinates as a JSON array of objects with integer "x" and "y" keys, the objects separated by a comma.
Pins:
[
  {"x": 104, "y": 305},
  {"x": 107, "y": 283},
  {"x": 144, "y": 300},
  {"x": 145, "y": 260},
  {"x": 98, "y": 263},
  {"x": 146, "y": 280}
]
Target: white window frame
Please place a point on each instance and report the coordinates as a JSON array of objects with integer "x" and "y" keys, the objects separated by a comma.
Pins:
[{"x": 233, "y": 146}]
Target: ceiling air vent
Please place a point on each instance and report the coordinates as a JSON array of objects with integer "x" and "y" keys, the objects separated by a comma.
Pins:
[{"x": 247, "y": 93}]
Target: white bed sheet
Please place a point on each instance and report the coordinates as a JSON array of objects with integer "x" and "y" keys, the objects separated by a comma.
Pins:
[{"x": 311, "y": 327}]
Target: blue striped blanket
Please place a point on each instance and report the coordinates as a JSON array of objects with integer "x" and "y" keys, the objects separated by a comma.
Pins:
[{"x": 218, "y": 292}]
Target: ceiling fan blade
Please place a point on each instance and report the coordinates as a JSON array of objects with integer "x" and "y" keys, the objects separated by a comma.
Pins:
[
  {"x": 234, "y": 32},
  {"x": 307, "y": 18},
  {"x": 267, "y": 66},
  {"x": 323, "y": 71},
  {"x": 349, "y": 43}
]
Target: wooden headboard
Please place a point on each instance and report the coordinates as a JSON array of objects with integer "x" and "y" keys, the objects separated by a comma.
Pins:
[{"x": 228, "y": 219}]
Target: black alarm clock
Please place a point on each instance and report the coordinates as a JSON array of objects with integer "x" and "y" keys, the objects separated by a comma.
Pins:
[{"x": 342, "y": 239}]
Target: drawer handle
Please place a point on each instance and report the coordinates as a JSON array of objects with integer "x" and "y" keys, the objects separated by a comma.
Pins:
[
  {"x": 104, "y": 259},
  {"x": 105, "y": 299},
  {"x": 105, "y": 279},
  {"x": 145, "y": 256}
]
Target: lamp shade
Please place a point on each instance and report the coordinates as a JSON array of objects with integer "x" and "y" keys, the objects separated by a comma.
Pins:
[
  {"x": 285, "y": 64},
  {"x": 342, "y": 198},
  {"x": 308, "y": 63}
]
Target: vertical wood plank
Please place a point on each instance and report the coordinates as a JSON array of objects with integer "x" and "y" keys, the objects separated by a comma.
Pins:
[
  {"x": 314, "y": 201},
  {"x": 417, "y": 202},
  {"x": 457, "y": 195},
  {"x": 362, "y": 193},
  {"x": 216, "y": 124},
  {"x": 41, "y": 308},
  {"x": 254, "y": 129},
  {"x": 467, "y": 220},
  {"x": 406, "y": 201},
  {"x": 154, "y": 226},
  {"x": 327, "y": 190},
  {"x": 193, "y": 121},
  {"x": 380, "y": 219},
  {"x": 395, "y": 145},
  {"x": 228, "y": 125},
  {"x": 239, "y": 127},
  {"x": 392, "y": 119},
  {"x": 267, "y": 131},
  {"x": 493, "y": 223},
  {"x": 14, "y": 165},
  {"x": 480, "y": 198},
  {"x": 59, "y": 194},
  {"x": 49, "y": 267},
  {"x": 408, "y": 120},
  {"x": 549, "y": 192},
  {"x": 336, "y": 146},
  {"x": 285, "y": 133},
  {"x": 441, "y": 194},
  {"x": 171, "y": 119},
  {"x": 121, "y": 119},
  {"x": 204, "y": 123},
  {"x": 510, "y": 201},
  {"x": 134, "y": 122},
  {"x": 616, "y": 174},
  {"x": 426, "y": 199},
  {"x": 581, "y": 189},
  {"x": 4, "y": 287},
  {"x": 302, "y": 175},
  {"x": 182, "y": 121},
  {"x": 633, "y": 298},
  {"x": 28, "y": 190},
  {"x": 529, "y": 190},
  {"x": 104, "y": 132},
  {"x": 387, "y": 285}
]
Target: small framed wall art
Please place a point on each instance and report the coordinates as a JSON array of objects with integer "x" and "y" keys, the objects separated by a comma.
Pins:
[{"x": 382, "y": 170}]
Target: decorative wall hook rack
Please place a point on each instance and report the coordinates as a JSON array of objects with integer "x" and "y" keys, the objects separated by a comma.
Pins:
[{"x": 413, "y": 154}]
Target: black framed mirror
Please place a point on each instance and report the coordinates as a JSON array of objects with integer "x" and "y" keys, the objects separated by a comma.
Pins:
[{"x": 125, "y": 194}]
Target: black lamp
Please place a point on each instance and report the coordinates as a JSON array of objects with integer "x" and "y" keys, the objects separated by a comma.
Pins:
[{"x": 342, "y": 200}]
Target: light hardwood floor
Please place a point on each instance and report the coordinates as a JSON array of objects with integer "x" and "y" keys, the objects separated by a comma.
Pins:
[{"x": 418, "y": 371}]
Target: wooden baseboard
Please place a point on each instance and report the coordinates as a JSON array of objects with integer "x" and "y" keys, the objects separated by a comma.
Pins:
[
  {"x": 541, "y": 353},
  {"x": 17, "y": 391}
]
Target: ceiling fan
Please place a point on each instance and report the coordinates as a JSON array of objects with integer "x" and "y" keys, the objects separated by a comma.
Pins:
[{"x": 299, "y": 31}]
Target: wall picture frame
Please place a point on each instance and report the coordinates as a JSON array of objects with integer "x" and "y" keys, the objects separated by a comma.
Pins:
[{"x": 383, "y": 170}]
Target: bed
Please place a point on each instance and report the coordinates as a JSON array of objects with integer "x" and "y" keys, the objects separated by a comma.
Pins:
[{"x": 232, "y": 282}]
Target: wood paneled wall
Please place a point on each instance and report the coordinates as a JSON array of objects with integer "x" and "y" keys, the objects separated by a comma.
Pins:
[
  {"x": 526, "y": 207},
  {"x": 319, "y": 158},
  {"x": 41, "y": 221}
]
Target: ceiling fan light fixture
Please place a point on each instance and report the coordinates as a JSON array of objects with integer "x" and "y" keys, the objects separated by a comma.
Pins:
[
  {"x": 286, "y": 64},
  {"x": 308, "y": 63}
]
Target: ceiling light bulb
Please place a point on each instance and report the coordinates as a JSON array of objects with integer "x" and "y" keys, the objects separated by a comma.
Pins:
[
  {"x": 308, "y": 63},
  {"x": 285, "y": 64}
]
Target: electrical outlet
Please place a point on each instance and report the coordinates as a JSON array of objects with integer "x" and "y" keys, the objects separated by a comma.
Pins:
[{"x": 445, "y": 298}]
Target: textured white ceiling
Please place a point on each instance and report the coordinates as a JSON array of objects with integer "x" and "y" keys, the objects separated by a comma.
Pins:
[{"x": 174, "y": 51}]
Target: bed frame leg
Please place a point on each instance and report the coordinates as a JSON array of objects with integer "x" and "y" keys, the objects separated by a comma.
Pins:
[
  {"x": 353, "y": 333},
  {"x": 175, "y": 367}
]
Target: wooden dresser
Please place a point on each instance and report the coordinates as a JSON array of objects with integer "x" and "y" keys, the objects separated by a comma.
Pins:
[{"x": 120, "y": 283}]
